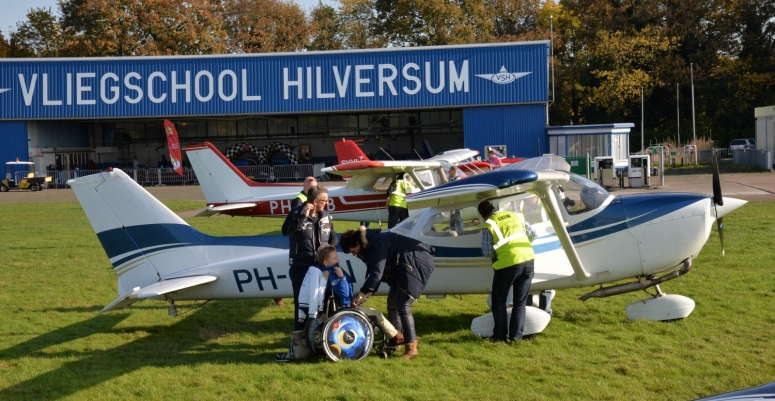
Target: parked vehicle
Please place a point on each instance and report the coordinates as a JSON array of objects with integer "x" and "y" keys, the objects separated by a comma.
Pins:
[
  {"x": 30, "y": 182},
  {"x": 745, "y": 143}
]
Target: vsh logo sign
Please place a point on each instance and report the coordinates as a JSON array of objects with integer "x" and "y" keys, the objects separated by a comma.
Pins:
[{"x": 503, "y": 77}]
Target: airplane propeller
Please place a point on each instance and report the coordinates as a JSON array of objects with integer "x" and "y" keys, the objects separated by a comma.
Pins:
[{"x": 718, "y": 200}]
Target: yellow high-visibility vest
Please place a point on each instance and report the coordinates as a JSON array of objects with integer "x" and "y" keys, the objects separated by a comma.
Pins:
[{"x": 510, "y": 242}]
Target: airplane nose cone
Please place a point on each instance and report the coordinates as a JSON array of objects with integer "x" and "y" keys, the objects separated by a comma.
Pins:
[{"x": 730, "y": 205}]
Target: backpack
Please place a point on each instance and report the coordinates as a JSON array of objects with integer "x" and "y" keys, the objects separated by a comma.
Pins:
[{"x": 392, "y": 187}]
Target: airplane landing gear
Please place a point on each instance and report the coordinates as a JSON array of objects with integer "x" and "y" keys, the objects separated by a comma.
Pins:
[
  {"x": 173, "y": 310},
  {"x": 662, "y": 307}
]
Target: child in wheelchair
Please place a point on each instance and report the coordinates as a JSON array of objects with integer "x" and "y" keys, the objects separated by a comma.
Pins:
[{"x": 335, "y": 328}]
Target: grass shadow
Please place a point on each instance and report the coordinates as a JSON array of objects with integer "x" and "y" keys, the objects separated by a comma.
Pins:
[{"x": 186, "y": 342}]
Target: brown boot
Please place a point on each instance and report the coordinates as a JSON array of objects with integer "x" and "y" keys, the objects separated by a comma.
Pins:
[
  {"x": 411, "y": 350},
  {"x": 397, "y": 340}
]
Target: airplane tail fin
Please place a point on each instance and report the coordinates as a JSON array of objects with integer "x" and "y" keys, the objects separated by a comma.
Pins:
[
  {"x": 219, "y": 179},
  {"x": 348, "y": 151},
  {"x": 143, "y": 239}
]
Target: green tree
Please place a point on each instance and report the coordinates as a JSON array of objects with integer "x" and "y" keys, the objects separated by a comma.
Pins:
[
  {"x": 5, "y": 47},
  {"x": 325, "y": 28},
  {"x": 257, "y": 26},
  {"x": 627, "y": 62},
  {"x": 39, "y": 36},
  {"x": 142, "y": 27}
]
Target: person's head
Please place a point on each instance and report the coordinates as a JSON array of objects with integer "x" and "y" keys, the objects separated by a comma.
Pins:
[
  {"x": 452, "y": 173},
  {"x": 327, "y": 256},
  {"x": 491, "y": 153},
  {"x": 318, "y": 196},
  {"x": 310, "y": 182},
  {"x": 485, "y": 209},
  {"x": 351, "y": 242}
]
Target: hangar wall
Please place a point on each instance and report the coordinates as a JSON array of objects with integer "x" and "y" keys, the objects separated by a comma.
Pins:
[
  {"x": 522, "y": 128},
  {"x": 13, "y": 141}
]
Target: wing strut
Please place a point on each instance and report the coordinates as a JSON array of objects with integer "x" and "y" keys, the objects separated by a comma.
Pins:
[{"x": 543, "y": 188}]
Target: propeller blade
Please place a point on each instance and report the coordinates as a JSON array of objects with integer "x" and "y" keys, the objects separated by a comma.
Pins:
[
  {"x": 720, "y": 222},
  {"x": 717, "y": 197}
]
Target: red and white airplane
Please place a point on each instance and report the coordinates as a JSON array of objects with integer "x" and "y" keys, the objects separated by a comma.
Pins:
[
  {"x": 348, "y": 151},
  {"x": 364, "y": 198}
]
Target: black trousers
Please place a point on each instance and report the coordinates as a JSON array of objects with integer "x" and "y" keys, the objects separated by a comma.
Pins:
[
  {"x": 396, "y": 214},
  {"x": 297, "y": 274},
  {"x": 518, "y": 278}
]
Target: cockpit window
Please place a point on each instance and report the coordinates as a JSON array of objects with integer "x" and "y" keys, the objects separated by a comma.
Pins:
[
  {"x": 426, "y": 178},
  {"x": 579, "y": 195},
  {"x": 453, "y": 223},
  {"x": 527, "y": 204},
  {"x": 405, "y": 227}
]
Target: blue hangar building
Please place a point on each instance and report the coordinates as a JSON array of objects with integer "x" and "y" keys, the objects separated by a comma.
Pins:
[{"x": 72, "y": 113}]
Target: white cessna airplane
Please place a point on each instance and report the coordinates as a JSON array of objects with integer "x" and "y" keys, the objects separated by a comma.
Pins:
[
  {"x": 587, "y": 237},
  {"x": 228, "y": 191}
]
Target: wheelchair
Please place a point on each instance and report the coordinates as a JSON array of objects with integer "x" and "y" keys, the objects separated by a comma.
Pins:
[{"x": 345, "y": 333}]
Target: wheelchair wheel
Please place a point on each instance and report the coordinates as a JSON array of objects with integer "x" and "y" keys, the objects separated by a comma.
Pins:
[{"x": 347, "y": 334}]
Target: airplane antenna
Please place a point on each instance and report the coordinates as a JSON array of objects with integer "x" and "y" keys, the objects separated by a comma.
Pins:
[
  {"x": 388, "y": 154},
  {"x": 418, "y": 155}
]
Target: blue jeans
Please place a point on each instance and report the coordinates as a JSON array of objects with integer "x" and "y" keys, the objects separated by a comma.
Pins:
[
  {"x": 400, "y": 313},
  {"x": 517, "y": 277}
]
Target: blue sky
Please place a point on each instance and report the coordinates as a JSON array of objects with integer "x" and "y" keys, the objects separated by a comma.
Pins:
[{"x": 13, "y": 11}]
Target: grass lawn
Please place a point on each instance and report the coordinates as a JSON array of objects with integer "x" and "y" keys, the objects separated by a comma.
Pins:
[{"x": 55, "y": 277}]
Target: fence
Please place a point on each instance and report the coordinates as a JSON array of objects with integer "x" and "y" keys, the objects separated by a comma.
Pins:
[
  {"x": 292, "y": 171},
  {"x": 756, "y": 158},
  {"x": 261, "y": 172}
]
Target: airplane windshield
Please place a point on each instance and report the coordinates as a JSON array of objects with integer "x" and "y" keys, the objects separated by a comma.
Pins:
[
  {"x": 579, "y": 195},
  {"x": 405, "y": 227},
  {"x": 426, "y": 178}
]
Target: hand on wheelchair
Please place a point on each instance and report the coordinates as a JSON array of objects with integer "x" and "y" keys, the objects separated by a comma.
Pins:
[{"x": 360, "y": 299}]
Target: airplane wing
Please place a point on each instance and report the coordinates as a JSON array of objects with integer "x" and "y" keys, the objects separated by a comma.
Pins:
[
  {"x": 454, "y": 156},
  {"x": 366, "y": 174},
  {"x": 156, "y": 289},
  {"x": 480, "y": 187},
  {"x": 538, "y": 176}
]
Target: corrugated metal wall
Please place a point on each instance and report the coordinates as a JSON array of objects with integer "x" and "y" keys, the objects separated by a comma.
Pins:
[
  {"x": 395, "y": 78},
  {"x": 13, "y": 142},
  {"x": 521, "y": 128}
]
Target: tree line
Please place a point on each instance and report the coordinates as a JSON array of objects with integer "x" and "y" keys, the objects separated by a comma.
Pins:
[{"x": 606, "y": 52}]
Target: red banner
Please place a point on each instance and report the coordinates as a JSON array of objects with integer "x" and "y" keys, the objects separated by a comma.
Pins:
[{"x": 174, "y": 145}]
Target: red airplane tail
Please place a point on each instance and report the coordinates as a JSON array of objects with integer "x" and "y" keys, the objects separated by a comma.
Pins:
[{"x": 348, "y": 151}]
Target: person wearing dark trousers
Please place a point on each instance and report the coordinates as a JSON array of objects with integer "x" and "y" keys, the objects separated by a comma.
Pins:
[
  {"x": 307, "y": 227},
  {"x": 299, "y": 200},
  {"x": 397, "y": 210},
  {"x": 506, "y": 238},
  {"x": 404, "y": 263}
]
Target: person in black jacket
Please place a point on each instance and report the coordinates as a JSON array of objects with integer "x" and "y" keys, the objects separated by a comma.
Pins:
[
  {"x": 307, "y": 227},
  {"x": 404, "y": 263}
]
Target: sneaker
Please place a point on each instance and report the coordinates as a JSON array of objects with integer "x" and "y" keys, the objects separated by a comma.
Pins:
[{"x": 283, "y": 358}]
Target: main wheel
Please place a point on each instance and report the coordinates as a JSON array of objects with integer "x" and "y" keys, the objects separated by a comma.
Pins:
[
  {"x": 347, "y": 335},
  {"x": 3, "y": 188},
  {"x": 34, "y": 187}
]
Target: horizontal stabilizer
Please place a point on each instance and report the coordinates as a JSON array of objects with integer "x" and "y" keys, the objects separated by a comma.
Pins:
[
  {"x": 156, "y": 289},
  {"x": 231, "y": 206}
]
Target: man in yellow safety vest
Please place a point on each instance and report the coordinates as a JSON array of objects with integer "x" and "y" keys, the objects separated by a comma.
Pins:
[
  {"x": 301, "y": 198},
  {"x": 506, "y": 238},
  {"x": 397, "y": 210}
]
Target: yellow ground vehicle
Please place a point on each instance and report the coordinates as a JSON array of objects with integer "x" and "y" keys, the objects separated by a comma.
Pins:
[{"x": 30, "y": 182}]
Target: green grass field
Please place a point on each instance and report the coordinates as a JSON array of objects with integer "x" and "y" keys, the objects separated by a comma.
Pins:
[{"x": 55, "y": 277}]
